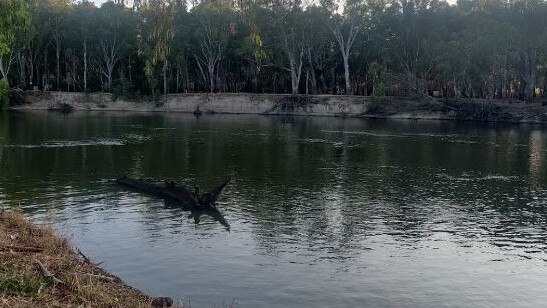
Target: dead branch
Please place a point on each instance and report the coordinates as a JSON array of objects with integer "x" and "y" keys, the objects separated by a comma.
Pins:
[
  {"x": 84, "y": 257},
  {"x": 103, "y": 278},
  {"x": 20, "y": 248},
  {"x": 48, "y": 274}
]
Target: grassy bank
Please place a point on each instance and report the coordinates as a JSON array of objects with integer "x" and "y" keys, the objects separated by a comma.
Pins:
[{"x": 40, "y": 269}]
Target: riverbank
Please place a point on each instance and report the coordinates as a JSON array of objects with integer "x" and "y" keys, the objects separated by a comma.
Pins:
[
  {"x": 512, "y": 111},
  {"x": 40, "y": 269}
]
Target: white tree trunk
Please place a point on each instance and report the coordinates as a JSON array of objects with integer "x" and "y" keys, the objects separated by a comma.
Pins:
[{"x": 85, "y": 66}]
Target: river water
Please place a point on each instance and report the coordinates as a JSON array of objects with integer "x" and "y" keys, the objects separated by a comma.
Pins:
[{"x": 321, "y": 212}]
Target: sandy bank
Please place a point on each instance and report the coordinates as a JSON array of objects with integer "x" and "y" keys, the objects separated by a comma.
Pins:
[{"x": 302, "y": 105}]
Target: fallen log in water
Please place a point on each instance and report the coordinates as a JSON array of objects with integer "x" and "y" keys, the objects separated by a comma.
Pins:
[{"x": 178, "y": 193}]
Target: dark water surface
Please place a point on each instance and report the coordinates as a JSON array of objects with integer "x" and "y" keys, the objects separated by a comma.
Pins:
[{"x": 323, "y": 212}]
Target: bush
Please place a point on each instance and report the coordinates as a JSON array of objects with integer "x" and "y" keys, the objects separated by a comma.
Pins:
[
  {"x": 4, "y": 94},
  {"x": 380, "y": 89}
]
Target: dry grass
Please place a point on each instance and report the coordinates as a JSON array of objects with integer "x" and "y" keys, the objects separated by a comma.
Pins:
[{"x": 22, "y": 284}]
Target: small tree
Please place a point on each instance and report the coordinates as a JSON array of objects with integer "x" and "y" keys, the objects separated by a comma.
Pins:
[{"x": 4, "y": 93}]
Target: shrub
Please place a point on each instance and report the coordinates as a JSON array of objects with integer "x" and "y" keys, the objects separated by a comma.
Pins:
[
  {"x": 380, "y": 89},
  {"x": 4, "y": 94}
]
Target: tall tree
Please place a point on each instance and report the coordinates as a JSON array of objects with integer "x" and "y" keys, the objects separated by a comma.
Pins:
[
  {"x": 14, "y": 19},
  {"x": 346, "y": 28},
  {"x": 212, "y": 37},
  {"x": 156, "y": 31}
]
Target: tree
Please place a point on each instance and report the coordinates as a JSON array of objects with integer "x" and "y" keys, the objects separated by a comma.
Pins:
[
  {"x": 84, "y": 12},
  {"x": 345, "y": 29},
  {"x": 286, "y": 31},
  {"x": 155, "y": 34},
  {"x": 212, "y": 37},
  {"x": 14, "y": 19},
  {"x": 114, "y": 34}
]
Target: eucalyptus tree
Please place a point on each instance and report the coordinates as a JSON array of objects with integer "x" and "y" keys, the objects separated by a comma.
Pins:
[
  {"x": 34, "y": 43},
  {"x": 14, "y": 19},
  {"x": 530, "y": 20},
  {"x": 85, "y": 14},
  {"x": 180, "y": 48},
  {"x": 212, "y": 34},
  {"x": 346, "y": 27},
  {"x": 114, "y": 32},
  {"x": 251, "y": 46},
  {"x": 398, "y": 47},
  {"x": 56, "y": 12},
  {"x": 408, "y": 40},
  {"x": 253, "y": 52},
  {"x": 155, "y": 33},
  {"x": 319, "y": 47},
  {"x": 286, "y": 29}
]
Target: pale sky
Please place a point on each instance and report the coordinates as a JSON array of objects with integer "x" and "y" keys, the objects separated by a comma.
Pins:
[{"x": 99, "y": 2}]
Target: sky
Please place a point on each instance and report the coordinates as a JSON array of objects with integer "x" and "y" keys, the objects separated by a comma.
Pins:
[{"x": 99, "y": 2}]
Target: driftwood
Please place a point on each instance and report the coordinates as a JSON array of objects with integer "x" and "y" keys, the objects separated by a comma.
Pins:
[
  {"x": 21, "y": 248},
  {"x": 161, "y": 302},
  {"x": 48, "y": 274},
  {"x": 84, "y": 257},
  {"x": 103, "y": 278},
  {"x": 178, "y": 193}
]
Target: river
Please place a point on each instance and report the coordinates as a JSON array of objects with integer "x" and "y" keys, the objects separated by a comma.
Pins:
[{"x": 321, "y": 212}]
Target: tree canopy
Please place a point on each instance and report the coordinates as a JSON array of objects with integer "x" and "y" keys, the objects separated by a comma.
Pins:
[
  {"x": 14, "y": 19},
  {"x": 474, "y": 48}
]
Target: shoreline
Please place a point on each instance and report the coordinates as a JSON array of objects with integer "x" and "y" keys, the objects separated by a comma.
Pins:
[
  {"x": 426, "y": 108},
  {"x": 41, "y": 268}
]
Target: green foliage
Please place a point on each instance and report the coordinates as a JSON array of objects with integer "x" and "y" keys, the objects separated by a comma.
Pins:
[
  {"x": 14, "y": 18},
  {"x": 380, "y": 89},
  {"x": 491, "y": 49},
  {"x": 20, "y": 285},
  {"x": 155, "y": 36},
  {"x": 4, "y": 93}
]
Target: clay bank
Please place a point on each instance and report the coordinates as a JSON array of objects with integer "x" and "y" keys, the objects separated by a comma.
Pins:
[{"x": 300, "y": 105}]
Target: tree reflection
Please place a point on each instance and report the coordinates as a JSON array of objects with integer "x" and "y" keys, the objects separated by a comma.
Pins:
[{"x": 329, "y": 185}]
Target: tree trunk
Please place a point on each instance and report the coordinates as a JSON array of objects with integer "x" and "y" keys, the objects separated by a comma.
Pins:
[
  {"x": 211, "y": 68},
  {"x": 296, "y": 71},
  {"x": 5, "y": 65},
  {"x": 313, "y": 79},
  {"x": 85, "y": 66},
  {"x": 346, "y": 73},
  {"x": 129, "y": 69},
  {"x": 32, "y": 59},
  {"x": 110, "y": 79},
  {"x": 3, "y": 70},
  {"x": 165, "y": 77},
  {"x": 186, "y": 78},
  {"x": 22, "y": 64},
  {"x": 178, "y": 79},
  {"x": 58, "y": 53}
]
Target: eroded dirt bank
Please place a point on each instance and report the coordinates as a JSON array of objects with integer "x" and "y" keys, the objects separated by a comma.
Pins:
[{"x": 303, "y": 105}]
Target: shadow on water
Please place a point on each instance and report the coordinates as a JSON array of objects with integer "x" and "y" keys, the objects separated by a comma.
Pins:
[{"x": 196, "y": 213}]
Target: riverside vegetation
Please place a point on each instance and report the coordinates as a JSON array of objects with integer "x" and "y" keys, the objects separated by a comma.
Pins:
[
  {"x": 469, "y": 49},
  {"x": 40, "y": 269}
]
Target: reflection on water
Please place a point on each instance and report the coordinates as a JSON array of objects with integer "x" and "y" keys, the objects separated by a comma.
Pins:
[
  {"x": 197, "y": 212},
  {"x": 322, "y": 211}
]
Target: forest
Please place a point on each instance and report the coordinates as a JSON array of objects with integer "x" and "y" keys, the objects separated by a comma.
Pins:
[{"x": 470, "y": 49}]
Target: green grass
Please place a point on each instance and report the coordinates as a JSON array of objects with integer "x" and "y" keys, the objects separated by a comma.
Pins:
[{"x": 12, "y": 282}]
